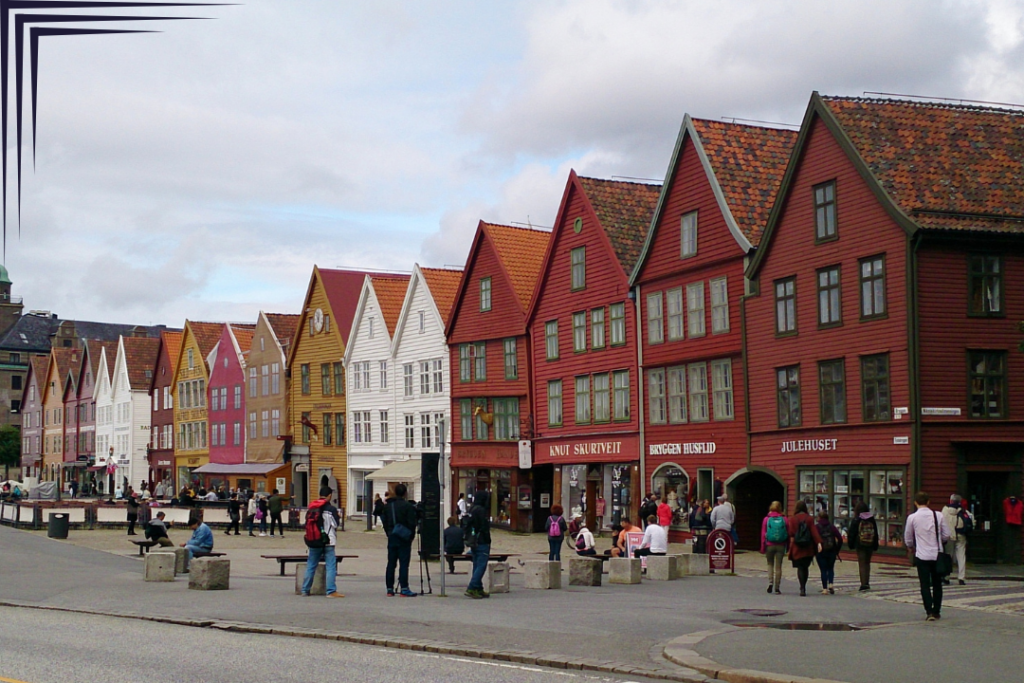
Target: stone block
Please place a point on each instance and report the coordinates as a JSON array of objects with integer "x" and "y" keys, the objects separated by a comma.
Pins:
[
  {"x": 662, "y": 567},
  {"x": 159, "y": 567},
  {"x": 542, "y": 575},
  {"x": 584, "y": 571},
  {"x": 625, "y": 570},
  {"x": 180, "y": 560},
  {"x": 209, "y": 574},
  {"x": 693, "y": 564},
  {"x": 319, "y": 586},
  {"x": 496, "y": 579}
]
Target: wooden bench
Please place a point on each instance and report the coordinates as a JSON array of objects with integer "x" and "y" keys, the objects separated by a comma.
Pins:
[
  {"x": 203, "y": 553},
  {"x": 286, "y": 559},
  {"x": 494, "y": 557},
  {"x": 144, "y": 546}
]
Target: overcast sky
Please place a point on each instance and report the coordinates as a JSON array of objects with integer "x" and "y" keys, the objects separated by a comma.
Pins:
[{"x": 200, "y": 172}]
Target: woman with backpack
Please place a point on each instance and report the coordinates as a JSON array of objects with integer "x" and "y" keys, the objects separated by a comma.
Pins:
[
  {"x": 863, "y": 537},
  {"x": 262, "y": 512},
  {"x": 585, "y": 542},
  {"x": 556, "y": 528},
  {"x": 805, "y": 543},
  {"x": 831, "y": 544},
  {"x": 774, "y": 540}
]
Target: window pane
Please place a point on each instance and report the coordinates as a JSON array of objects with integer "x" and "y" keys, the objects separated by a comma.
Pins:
[
  {"x": 597, "y": 328},
  {"x": 698, "y": 376},
  {"x": 695, "y": 308},
  {"x": 674, "y": 302},
  {"x": 655, "y": 313},
  {"x": 583, "y": 399},
  {"x": 656, "y": 395},
  {"x": 677, "y": 395}
]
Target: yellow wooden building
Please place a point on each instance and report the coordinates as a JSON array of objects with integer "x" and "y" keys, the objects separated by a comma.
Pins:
[{"x": 189, "y": 388}]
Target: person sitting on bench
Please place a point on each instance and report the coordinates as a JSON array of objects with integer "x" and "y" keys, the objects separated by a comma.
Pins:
[
  {"x": 585, "y": 541},
  {"x": 655, "y": 539},
  {"x": 156, "y": 530},
  {"x": 454, "y": 542},
  {"x": 201, "y": 541}
]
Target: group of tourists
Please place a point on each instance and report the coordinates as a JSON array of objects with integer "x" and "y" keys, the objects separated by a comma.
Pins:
[{"x": 934, "y": 540}]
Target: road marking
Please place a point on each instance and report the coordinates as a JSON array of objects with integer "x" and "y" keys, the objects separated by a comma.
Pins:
[{"x": 10, "y": 680}]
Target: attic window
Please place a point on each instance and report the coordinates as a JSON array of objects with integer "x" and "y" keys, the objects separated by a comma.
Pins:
[
  {"x": 149, "y": 374},
  {"x": 191, "y": 359},
  {"x": 371, "y": 327},
  {"x": 261, "y": 344},
  {"x": 225, "y": 361},
  {"x": 422, "y": 322},
  {"x": 688, "y": 235}
]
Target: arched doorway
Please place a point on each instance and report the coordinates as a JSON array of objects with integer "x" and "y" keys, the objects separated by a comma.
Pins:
[
  {"x": 672, "y": 483},
  {"x": 752, "y": 491}
]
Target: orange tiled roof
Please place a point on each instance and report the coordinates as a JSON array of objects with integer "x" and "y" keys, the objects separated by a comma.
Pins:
[
  {"x": 66, "y": 358},
  {"x": 390, "y": 291},
  {"x": 444, "y": 285},
  {"x": 206, "y": 335},
  {"x": 284, "y": 325},
  {"x": 952, "y": 167},
  {"x": 521, "y": 251},
  {"x": 39, "y": 368},
  {"x": 172, "y": 341},
  {"x": 243, "y": 335},
  {"x": 625, "y": 211},
  {"x": 749, "y": 162},
  {"x": 140, "y": 355}
]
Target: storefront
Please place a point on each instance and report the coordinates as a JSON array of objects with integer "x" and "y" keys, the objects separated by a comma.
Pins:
[
  {"x": 597, "y": 479},
  {"x": 161, "y": 469},
  {"x": 685, "y": 472},
  {"x": 515, "y": 503},
  {"x": 258, "y": 477},
  {"x": 839, "y": 490}
]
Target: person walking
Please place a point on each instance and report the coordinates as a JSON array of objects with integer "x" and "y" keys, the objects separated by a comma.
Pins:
[
  {"x": 700, "y": 525},
  {"x": 479, "y": 526},
  {"x": 400, "y": 520},
  {"x": 133, "y": 511},
  {"x": 454, "y": 542},
  {"x": 724, "y": 515},
  {"x": 655, "y": 539},
  {"x": 462, "y": 506},
  {"x": 321, "y": 540},
  {"x": 664, "y": 512},
  {"x": 250, "y": 513},
  {"x": 831, "y": 544},
  {"x": 556, "y": 528},
  {"x": 960, "y": 522},
  {"x": 804, "y": 543},
  {"x": 234, "y": 514},
  {"x": 774, "y": 543},
  {"x": 262, "y": 512},
  {"x": 378, "y": 510},
  {"x": 648, "y": 507},
  {"x": 276, "y": 506},
  {"x": 924, "y": 534},
  {"x": 863, "y": 538}
]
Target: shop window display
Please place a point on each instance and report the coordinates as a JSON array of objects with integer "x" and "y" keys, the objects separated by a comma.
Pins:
[
  {"x": 673, "y": 485},
  {"x": 498, "y": 482},
  {"x": 620, "y": 491},
  {"x": 577, "y": 490},
  {"x": 882, "y": 489}
]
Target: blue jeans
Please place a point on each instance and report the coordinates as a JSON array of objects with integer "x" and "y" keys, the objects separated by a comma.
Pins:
[
  {"x": 481, "y": 554},
  {"x": 827, "y": 565},
  {"x": 193, "y": 548},
  {"x": 554, "y": 548},
  {"x": 398, "y": 553},
  {"x": 316, "y": 555}
]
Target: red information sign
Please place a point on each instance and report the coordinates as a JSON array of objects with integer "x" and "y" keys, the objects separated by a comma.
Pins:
[{"x": 720, "y": 551}]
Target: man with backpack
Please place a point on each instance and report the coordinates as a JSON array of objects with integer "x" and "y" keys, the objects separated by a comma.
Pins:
[
  {"x": 863, "y": 537},
  {"x": 961, "y": 522},
  {"x": 400, "y": 521},
  {"x": 320, "y": 537}
]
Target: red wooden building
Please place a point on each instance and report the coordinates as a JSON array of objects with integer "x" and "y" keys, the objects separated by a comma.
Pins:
[
  {"x": 491, "y": 368},
  {"x": 882, "y": 332},
  {"x": 689, "y": 281},
  {"x": 161, "y": 446},
  {"x": 582, "y": 325}
]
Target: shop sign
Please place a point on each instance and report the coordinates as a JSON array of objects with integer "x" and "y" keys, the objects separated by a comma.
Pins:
[
  {"x": 545, "y": 500},
  {"x": 693, "y": 448},
  {"x": 948, "y": 412},
  {"x": 900, "y": 440},
  {"x": 525, "y": 455},
  {"x": 302, "y": 467},
  {"x": 163, "y": 463},
  {"x": 193, "y": 461},
  {"x": 588, "y": 448},
  {"x": 809, "y": 445},
  {"x": 720, "y": 550}
]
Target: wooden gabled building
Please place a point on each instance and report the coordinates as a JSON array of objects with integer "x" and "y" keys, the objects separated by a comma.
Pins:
[
  {"x": 189, "y": 385},
  {"x": 161, "y": 435}
]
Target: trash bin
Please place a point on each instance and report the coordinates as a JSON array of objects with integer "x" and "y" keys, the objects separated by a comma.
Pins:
[{"x": 58, "y": 526}]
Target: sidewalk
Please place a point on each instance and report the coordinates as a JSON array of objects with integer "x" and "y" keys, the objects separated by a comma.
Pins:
[{"x": 626, "y": 624}]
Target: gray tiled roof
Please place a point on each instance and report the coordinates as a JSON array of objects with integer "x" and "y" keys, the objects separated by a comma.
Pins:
[{"x": 34, "y": 333}]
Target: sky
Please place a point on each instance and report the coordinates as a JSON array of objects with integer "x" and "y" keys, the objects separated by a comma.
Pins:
[{"x": 200, "y": 172}]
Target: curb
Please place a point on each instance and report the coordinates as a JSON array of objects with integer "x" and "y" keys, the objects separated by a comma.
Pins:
[
  {"x": 681, "y": 651},
  {"x": 554, "y": 661}
]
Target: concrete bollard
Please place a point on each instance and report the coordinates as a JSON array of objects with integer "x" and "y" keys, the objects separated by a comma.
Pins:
[
  {"x": 159, "y": 567},
  {"x": 693, "y": 565},
  {"x": 181, "y": 561},
  {"x": 625, "y": 570},
  {"x": 584, "y": 571},
  {"x": 209, "y": 574},
  {"x": 319, "y": 586},
  {"x": 662, "y": 567},
  {"x": 542, "y": 575},
  {"x": 496, "y": 579}
]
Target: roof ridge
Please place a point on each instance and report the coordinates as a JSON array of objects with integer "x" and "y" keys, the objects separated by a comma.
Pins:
[
  {"x": 963, "y": 105},
  {"x": 620, "y": 182}
]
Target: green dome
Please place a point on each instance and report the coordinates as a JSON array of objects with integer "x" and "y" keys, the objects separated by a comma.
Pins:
[{"x": 5, "y": 279}]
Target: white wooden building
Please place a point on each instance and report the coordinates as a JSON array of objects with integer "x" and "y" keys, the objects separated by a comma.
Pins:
[{"x": 131, "y": 406}]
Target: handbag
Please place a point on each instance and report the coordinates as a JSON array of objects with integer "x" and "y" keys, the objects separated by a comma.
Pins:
[
  {"x": 403, "y": 532},
  {"x": 944, "y": 561}
]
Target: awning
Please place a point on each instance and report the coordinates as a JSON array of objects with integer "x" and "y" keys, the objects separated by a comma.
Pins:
[
  {"x": 403, "y": 470},
  {"x": 98, "y": 468},
  {"x": 244, "y": 468}
]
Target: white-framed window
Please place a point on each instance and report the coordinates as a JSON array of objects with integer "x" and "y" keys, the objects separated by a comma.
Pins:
[
  {"x": 485, "y": 294},
  {"x": 385, "y": 430},
  {"x": 426, "y": 431},
  {"x": 438, "y": 376},
  {"x": 253, "y": 383},
  {"x": 383, "y": 368},
  {"x": 407, "y": 380},
  {"x": 238, "y": 397},
  {"x": 423, "y": 321},
  {"x": 366, "y": 374},
  {"x": 698, "y": 376},
  {"x": 655, "y": 319},
  {"x": 677, "y": 395},
  {"x": 370, "y": 325},
  {"x": 583, "y": 399},
  {"x": 688, "y": 235},
  {"x": 168, "y": 399},
  {"x": 695, "y": 308},
  {"x": 252, "y": 424},
  {"x": 425, "y": 377},
  {"x": 265, "y": 424},
  {"x": 275, "y": 422},
  {"x": 721, "y": 385},
  {"x": 656, "y": 395},
  {"x": 275, "y": 379},
  {"x": 265, "y": 376},
  {"x": 410, "y": 431},
  {"x": 674, "y": 302},
  {"x": 719, "y": 305}
]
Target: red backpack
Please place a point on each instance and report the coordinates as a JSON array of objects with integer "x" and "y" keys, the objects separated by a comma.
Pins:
[{"x": 315, "y": 536}]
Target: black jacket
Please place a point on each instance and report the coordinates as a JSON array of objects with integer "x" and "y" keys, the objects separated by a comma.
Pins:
[
  {"x": 454, "y": 541},
  {"x": 853, "y": 535},
  {"x": 479, "y": 517},
  {"x": 401, "y": 511}
]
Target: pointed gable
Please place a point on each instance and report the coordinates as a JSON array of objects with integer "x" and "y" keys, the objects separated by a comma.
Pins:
[
  {"x": 38, "y": 366},
  {"x": 284, "y": 326},
  {"x": 521, "y": 251},
  {"x": 624, "y": 211},
  {"x": 140, "y": 355},
  {"x": 206, "y": 335},
  {"x": 443, "y": 284},
  {"x": 390, "y": 291}
]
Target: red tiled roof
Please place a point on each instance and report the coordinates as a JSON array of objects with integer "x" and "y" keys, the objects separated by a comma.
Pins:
[
  {"x": 140, "y": 356},
  {"x": 624, "y": 210},
  {"x": 243, "y": 335},
  {"x": 521, "y": 251},
  {"x": 444, "y": 285},
  {"x": 96, "y": 349},
  {"x": 342, "y": 288},
  {"x": 749, "y": 163},
  {"x": 390, "y": 291},
  {"x": 39, "y": 367},
  {"x": 284, "y": 326},
  {"x": 65, "y": 358},
  {"x": 172, "y": 342},
  {"x": 206, "y": 335},
  {"x": 947, "y": 166}
]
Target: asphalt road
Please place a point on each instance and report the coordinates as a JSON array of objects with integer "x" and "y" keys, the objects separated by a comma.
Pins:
[{"x": 38, "y": 646}]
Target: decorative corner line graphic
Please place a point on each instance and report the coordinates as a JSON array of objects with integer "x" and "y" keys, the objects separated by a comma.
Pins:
[{"x": 8, "y": 9}]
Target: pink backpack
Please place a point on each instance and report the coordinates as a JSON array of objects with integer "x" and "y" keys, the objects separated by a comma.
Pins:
[{"x": 554, "y": 528}]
